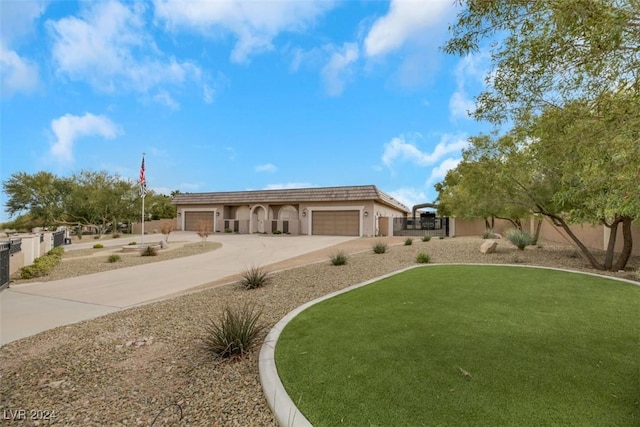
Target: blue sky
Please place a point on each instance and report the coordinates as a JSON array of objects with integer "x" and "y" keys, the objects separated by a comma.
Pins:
[{"x": 237, "y": 95}]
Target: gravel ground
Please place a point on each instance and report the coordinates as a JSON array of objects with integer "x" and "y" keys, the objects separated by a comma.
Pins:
[
  {"x": 90, "y": 261},
  {"x": 125, "y": 368}
]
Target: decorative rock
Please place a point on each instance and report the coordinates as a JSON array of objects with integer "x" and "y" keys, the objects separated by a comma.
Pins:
[{"x": 488, "y": 246}]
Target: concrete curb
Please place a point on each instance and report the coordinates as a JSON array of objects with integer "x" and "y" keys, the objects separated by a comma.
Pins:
[{"x": 284, "y": 409}]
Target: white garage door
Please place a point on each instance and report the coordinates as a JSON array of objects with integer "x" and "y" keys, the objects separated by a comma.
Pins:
[{"x": 335, "y": 223}]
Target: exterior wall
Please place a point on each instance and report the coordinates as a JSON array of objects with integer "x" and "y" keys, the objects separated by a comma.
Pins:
[
  {"x": 16, "y": 262},
  {"x": 476, "y": 227},
  {"x": 593, "y": 236},
  {"x": 385, "y": 227},
  {"x": 259, "y": 217},
  {"x": 151, "y": 227}
]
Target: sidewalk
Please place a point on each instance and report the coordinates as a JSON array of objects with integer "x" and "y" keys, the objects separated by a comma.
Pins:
[{"x": 35, "y": 307}]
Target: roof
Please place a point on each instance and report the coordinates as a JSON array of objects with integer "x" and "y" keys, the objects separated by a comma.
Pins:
[{"x": 294, "y": 195}]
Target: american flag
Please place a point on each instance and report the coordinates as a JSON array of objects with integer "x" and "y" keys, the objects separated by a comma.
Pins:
[{"x": 142, "y": 180}]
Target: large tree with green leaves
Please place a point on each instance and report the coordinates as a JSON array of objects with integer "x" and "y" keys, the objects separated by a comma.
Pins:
[
  {"x": 101, "y": 200},
  {"x": 43, "y": 195},
  {"x": 565, "y": 75}
]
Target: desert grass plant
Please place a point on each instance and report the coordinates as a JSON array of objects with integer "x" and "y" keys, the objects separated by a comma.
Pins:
[
  {"x": 423, "y": 258},
  {"x": 380, "y": 248},
  {"x": 149, "y": 251},
  {"x": 114, "y": 258},
  {"x": 408, "y": 241},
  {"x": 488, "y": 233},
  {"x": 254, "y": 277},
  {"x": 43, "y": 265},
  {"x": 233, "y": 333},
  {"x": 339, "y": 258},
  {"x": 520, "y": 239},
  {"x": 426, "y": 238},
  {"x": 98, "y": 246}
]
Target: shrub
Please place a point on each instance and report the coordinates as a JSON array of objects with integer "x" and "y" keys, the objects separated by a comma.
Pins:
[
  {"x": 520, "y": 239},
  {"x": 408, "y": 241},
  {"x": 42, "y": 265},
  {"x": 488, "y": 233},
  {"x": 233, "y": 333},
  {"x": 277, "y": 232},
  {"x": 98, "y": 246},
  {"x": 254, "y": 277},
  {"x": 116, "y": 235},
  {"x": 380, "y": 248},
  {"x": 227, "y": 230},
  {"x": 113, "y": 258},
  {"x": 149, "y": 251},
  {"x": 132, "y": 243},
  {"x": 339, "y": 258},
  {"x": 426, "y": 238},
  {"x": 423, "y": 258},
  {"x": 441, "y": 237}
]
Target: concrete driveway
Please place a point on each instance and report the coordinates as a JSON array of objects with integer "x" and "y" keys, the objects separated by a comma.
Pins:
[{"x": 30, "y": 308}]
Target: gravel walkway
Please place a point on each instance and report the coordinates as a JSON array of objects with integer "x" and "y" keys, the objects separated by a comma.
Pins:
[{"x": 125, "y": 368}]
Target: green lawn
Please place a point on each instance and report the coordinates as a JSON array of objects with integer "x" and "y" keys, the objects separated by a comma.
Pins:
[{"x": 469, "y": 345}]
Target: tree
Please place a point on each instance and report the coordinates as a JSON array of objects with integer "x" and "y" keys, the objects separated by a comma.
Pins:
[
  {"x": 42, "y": 195},
  {"x": 549, "y": 52},
  {"x": 100, "y": 200},
  {"x": 160, "y": 206},
  {"x": 565, "y": 74}
]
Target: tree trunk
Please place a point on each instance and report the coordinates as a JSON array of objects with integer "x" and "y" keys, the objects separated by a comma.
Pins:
[
  {"x": 536, "y": 236},
  {"x": 608, "y": 259},
  {"x": 592, "y": 260},
  {"x": 627, "y": 246}
]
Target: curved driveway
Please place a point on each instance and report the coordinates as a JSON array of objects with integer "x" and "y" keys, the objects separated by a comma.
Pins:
[{"x": 35, "y": 307}]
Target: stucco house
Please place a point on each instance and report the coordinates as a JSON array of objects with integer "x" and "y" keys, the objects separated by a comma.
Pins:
[{"x": 345, "y": 211}]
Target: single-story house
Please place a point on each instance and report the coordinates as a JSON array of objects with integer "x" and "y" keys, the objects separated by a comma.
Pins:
[{"x": 343, "y": 211}]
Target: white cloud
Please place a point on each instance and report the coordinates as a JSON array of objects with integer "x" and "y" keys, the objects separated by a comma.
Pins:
[
  {"x": 17, "y": 18},
  {"x": 472, "y": 70},
  {"x": 163, "y": 97},
  {"x": 407, "y": 21},
  {"x": 69, "y": 128},
  {"x": 108, "y": 46},
  {"x": 254, "y": 24},
  {"x": 17, "y": 74},
  {"x": 266, "y": 168},
  {"x": 288, "y": 185},
  {"x": 409, "y": 196},
  {"x": 339, "y": 68},
  {"x": 398, "y": 149},
  {"x": 438, "y": 173}
]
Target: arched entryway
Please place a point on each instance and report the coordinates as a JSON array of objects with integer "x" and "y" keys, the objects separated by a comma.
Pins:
[{"x": 258, "y": 219}]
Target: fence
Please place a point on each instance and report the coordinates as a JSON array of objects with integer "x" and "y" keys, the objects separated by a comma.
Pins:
[
  {"x": 58, "y": 238},
  {"x": 421, "y": 226},
  {"x": 5, "y": 247}
]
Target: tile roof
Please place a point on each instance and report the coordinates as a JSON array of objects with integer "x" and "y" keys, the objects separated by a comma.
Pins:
[{"x": 296, "y": 195}]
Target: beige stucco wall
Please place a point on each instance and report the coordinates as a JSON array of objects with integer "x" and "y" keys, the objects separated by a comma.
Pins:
[
  {"x": 593, "y": 236},
  {"x": 258, "y": 217}
]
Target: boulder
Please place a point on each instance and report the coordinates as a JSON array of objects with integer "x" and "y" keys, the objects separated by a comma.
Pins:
[{"x": 488, "y": 246}]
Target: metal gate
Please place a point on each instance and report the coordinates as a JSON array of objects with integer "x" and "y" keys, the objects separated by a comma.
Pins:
[{"x": 4, "y": 264}]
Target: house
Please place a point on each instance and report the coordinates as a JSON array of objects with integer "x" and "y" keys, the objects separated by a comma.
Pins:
[{"x": 344, "y": 211}]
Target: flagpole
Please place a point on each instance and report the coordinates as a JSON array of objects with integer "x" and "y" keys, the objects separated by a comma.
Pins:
[{"x": 143, "y": 192}]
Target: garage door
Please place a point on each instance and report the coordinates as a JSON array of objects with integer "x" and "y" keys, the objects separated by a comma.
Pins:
[
  {"x": 192, "y": 220},
  {"x": 336, "y": 223}
]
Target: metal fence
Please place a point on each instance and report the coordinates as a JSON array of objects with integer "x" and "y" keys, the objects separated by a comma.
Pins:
[
  {"x": 421, "y": 226},
  {"x": 58, "y": 238},
  {"x": 4, "y": 264}
]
